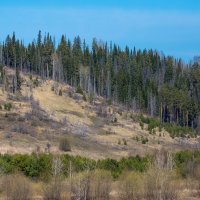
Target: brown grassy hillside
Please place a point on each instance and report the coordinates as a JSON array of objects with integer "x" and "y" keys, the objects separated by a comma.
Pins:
[{"x": 46, "y": 111}]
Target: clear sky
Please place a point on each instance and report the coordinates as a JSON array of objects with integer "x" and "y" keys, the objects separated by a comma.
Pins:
[{"x": 171, "y": 26}]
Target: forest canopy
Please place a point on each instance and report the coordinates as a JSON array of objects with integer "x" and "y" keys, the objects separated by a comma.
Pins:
[{"x": 145, "y": 81}]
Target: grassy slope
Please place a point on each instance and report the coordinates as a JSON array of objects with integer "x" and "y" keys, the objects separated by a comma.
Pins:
[{"x": 73, "y": 119}]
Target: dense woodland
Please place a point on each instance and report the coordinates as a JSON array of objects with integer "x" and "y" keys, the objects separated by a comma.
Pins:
[{"x": 143, "y": 80}]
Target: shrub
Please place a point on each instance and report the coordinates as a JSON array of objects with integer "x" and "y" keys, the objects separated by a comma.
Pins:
[
  {"x": 36, "y": 82},
  {"x": 142, "y": 125},
  {"x": 64, "y": 144},
  {"x": 125, "y": 142},
  {"x": 115, "y": 120},
  {"x": 7, "y": 106},
  {"x": 144, "y": 140}
]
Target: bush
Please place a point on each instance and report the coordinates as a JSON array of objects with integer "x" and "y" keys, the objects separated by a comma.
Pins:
[
  {"x": 36, "y": 82},
  {"x": 142, "y": 125},
  {"x": 7, "y": 106},
  {"x": 125, "y": 142},
  {"x": 144, "y": 140},
  {"x": 179, "y": 131},
  {"x": 64, "y": 144},
  {"x": 40, "y": 165}
]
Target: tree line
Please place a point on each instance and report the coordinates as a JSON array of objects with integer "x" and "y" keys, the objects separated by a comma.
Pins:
[{"x": 143, "y": 80}]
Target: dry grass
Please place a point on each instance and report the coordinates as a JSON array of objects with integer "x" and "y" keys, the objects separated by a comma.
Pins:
[
  {"x": 76, "y": 119},
  {"x": 17, "y": 187}
]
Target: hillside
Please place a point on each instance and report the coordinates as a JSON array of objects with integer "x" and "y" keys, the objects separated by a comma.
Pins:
[{"x": 46, "y": 111}]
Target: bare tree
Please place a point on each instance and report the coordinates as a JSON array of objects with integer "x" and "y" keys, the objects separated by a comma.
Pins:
[
  {"x": 57, "y": 68},
  {"x": 17, "y": 187},
  {"x": 53, "y": 190}
]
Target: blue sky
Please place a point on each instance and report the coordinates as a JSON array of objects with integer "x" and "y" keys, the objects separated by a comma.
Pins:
[{"x": 171, "y": 26}]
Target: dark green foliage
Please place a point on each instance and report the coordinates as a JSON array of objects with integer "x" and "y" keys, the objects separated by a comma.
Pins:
[
  {"x": 31, "y": 165},
  {"x": 111, "y": 165},
  {"x": 179, "y": 131},
  {"x": 186, "y": 162},
  {"x": 115, "y": 120},
  {"x": 125, "y": 142},
  {"x": 142, "y": 80},
  {"x": 141, "y": 139},
  {"x": 1, "y": 73},
  {"x": 172, "y": 129},
  {"x": 144, "y": 140},
  {"x": 40, "y": 166},
  {"x": 7, "y": 106},
  {"x": 142, "y": 125},
  {"x": 36, "y": 82}
]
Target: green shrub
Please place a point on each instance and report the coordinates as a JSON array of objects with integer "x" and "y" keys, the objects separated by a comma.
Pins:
[
  {"x": 144, "y": 140},
  {"x": 36, "y": 82},
  {"x": 7, "y": 106},
  {"x": 125, "y": 142},
  {"x": 142, "y": 125},
  {"x": 40, "y": 165}
]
